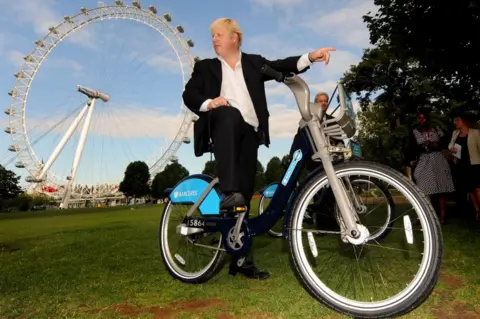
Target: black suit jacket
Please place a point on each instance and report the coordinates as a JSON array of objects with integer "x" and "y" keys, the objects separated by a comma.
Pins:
[{"x": 205, "y": 83}]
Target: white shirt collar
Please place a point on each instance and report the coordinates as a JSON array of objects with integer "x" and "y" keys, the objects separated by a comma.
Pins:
[{"x": 239, "y": 62}]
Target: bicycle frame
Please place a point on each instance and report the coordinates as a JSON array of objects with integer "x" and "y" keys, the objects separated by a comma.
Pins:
[{"x": 313, "y": 144}]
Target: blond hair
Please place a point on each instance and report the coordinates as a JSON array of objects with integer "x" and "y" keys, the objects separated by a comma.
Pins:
[
  {"x": 321, "y": 94},
  {"x": 231, "y": 25}
]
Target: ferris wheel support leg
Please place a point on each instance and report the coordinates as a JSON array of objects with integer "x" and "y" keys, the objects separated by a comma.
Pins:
[
  {"x": 78, "y": 153},
  {"x": 62, "y": 143}
]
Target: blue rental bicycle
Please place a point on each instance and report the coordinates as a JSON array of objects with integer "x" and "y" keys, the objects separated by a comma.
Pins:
[
  {"x": 346, "y": 270},
  {"x": 323, "y": 212}
]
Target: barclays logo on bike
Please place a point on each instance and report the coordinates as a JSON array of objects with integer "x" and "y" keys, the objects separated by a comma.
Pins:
[{"x": 185, "y": 194}]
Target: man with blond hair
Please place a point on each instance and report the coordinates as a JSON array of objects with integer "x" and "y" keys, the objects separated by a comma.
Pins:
[{"x": 228, "y": 95}]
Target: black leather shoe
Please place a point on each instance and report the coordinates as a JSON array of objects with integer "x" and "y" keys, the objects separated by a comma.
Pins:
[
  {"x": 232, "y": 200},
  {"x": 249, "y": 270}
]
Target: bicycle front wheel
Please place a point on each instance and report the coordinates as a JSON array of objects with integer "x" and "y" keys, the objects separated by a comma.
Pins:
[{"x": 376, "y": 278}]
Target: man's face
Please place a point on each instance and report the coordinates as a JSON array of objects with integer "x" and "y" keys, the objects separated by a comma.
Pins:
[
  {"x": 323, "y": 101},
  {"x": 223, "y": 42}
]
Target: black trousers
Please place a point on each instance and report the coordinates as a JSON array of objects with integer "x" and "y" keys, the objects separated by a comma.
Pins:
[{"x": 235, "y": 146}]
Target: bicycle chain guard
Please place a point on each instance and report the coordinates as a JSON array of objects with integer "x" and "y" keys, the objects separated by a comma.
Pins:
[{"x": 237, "y": 246}]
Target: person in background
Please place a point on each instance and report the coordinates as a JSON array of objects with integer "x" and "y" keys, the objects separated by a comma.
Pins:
[
  {"x": 465, "y": 146},
  {"x": 426, "y": 164}
]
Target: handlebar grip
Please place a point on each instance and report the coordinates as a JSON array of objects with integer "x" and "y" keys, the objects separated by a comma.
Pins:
[{"x": 269, "y": 71}]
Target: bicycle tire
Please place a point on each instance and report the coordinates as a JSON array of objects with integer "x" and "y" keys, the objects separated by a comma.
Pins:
[{"x": 423, "y": 287}]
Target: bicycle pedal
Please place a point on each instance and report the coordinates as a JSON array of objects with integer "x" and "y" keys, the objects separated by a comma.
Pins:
[{"x": 234, "y": 210}]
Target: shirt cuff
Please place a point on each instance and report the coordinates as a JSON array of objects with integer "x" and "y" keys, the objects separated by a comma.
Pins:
[
  {"x": 204, "y": 106},
  {"x": 303, "y": 62}
]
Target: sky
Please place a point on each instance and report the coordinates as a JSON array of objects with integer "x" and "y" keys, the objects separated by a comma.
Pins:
[{"x": 136, "y": 67}]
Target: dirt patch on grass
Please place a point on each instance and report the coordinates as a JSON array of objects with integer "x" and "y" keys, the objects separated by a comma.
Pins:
[
  {"x": 168, "y": 312},
  {"x": 226, "y": 315},
  {"x": 262, "y": 315},
  {"x": 451, "y": 281},
  {"x": 450, "y": 308},
  {"x": 459, "y": 309}
]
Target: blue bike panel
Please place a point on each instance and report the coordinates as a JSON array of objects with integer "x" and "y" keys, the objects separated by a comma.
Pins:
[
  {"x": 189, "y": 190},
  {"x": 270, "y": 190},
  {"x": 356, "y": 149},
  {"x": 297, "y": 156}
]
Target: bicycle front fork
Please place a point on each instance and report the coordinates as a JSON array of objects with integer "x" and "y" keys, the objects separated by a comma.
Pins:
[{"x": 338, "y": 189}]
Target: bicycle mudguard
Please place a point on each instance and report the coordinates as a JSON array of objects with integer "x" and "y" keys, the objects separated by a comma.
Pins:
[
  {"x": 189, "y": 190},
  {"x": 270, "y": 190}
]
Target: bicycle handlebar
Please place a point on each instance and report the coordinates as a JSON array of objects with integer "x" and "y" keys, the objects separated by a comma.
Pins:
[{"x": 298, "y": 87}]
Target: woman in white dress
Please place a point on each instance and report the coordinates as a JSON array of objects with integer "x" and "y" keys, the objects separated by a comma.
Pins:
[{"x": 424, "y": 156}]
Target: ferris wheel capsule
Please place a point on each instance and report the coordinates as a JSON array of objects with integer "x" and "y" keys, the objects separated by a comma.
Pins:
[
  {"x": 153, "y": 9},
  {"x": 186, "y": 140},
  {"x": 19, "y": 165}
]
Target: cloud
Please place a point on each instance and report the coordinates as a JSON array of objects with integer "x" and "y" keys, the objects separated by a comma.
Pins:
[
  {"x": 283, "y": 121},
  {"x": 271, "y": 3},
  {"x": 127, "y": 122},
  {"x": 344, "y": 25},
  {"x": 16, "y": 57},
  {"x": 166, "y": 63},
  {"x": 41, "y": 16},
  {"x": 340, "y": 62},
  {"x": 273, "y": 47},
  {"x": 3, "y": 42}
]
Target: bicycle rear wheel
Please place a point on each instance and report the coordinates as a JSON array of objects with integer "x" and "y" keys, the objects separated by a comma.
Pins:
[
  {"x": 205, "y": 249},
  {"x": 320, "y": 272}
]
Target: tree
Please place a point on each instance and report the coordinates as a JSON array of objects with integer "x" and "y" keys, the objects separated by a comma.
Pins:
[
  {"x": 210, "y": 168},
  {"x": 285, "y": 161},
  {"x": 259, "y": 176},
  {"x": 408, "y": 69},
  {"x": 274, "y": 171},
  {"x": 158, "y": 186},
  {"x": 9, "y": 187},
  {"x": 135, "y": 180},
  {"x": 417, "y": 30},
  {"x": 380, "y": 141},
  {"x": 168, "y": 178}
]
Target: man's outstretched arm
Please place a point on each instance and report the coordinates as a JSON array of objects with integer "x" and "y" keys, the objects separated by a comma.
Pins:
[{"x": 299, "y": 64}]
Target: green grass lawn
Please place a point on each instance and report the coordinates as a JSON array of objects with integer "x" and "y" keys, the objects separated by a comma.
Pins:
[{"x": 105, "y": 263}]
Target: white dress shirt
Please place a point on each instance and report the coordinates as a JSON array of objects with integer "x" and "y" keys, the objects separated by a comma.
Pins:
[{"x": 234, "y": 89}]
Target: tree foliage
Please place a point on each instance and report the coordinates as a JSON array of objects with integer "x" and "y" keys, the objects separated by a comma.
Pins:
[
  {"x": 168, "y": 178},
  {"x": 9, "y": 184},
  {"x": 418, "y": 61},
  {"x": 210, "y": 168},
  {"x": 259, "y": 176},
  {"x": 440, "y": 36},
  {"x": 135, "y": 180},
  {"x": 274, "y": 171}
]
